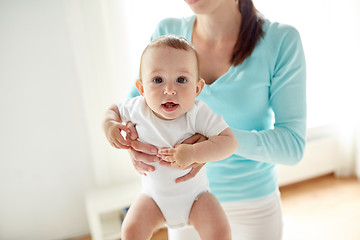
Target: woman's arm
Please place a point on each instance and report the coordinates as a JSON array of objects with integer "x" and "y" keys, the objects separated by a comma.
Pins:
[{"x": 286, "y": 142}]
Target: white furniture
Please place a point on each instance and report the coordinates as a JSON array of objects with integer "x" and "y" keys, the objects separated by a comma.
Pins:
[{"x": 104, "y": 208}]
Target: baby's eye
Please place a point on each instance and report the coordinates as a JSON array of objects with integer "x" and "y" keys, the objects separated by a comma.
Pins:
[
  {"x": 158, "y": 80},
  {"x": 181, "y": 80}
]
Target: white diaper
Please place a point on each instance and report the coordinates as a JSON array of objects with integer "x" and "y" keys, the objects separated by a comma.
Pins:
[{"x": 175, "y": 200}]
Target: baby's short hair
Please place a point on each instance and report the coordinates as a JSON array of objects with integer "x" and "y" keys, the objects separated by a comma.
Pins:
[{"x": 173, "y": 41}]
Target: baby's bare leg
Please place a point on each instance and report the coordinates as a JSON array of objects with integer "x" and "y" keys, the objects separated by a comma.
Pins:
[
  {"x": 143, "y": 217},
  {"x": 209, "y": 219}
]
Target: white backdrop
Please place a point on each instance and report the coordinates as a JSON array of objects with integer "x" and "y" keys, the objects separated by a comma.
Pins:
[
  {"x": 45, "y": 161},
  {"x": 64, "y": 61}
]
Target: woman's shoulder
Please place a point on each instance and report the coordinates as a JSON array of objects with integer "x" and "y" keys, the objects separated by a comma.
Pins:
[
  {"x": 277, "y": 37},
  {"x": 277, "y": 31}
]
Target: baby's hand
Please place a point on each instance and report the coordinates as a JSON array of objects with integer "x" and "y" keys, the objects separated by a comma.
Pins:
[{"x": 181, "y": 156}]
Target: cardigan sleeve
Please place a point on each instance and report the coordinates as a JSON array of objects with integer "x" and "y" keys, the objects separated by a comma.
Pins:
[{"x": 284, "y": 143}]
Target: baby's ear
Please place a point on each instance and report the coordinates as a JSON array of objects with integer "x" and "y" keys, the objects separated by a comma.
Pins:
[
  {"x": 139, "y": 86},
  {"x": 199, "y": 86}
]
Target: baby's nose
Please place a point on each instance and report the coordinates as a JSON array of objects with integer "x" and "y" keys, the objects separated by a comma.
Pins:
[{"x": 170, "y": 89}]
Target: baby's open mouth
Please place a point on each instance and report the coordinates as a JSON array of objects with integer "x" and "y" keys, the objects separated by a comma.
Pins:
[{"x": 169, "y": 106}]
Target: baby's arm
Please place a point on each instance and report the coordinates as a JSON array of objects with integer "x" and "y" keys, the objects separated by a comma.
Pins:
[{"x": 214, "y": 149}]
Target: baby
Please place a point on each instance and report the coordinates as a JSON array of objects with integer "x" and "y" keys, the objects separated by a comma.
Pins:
[{"x": 165, "y": 115}]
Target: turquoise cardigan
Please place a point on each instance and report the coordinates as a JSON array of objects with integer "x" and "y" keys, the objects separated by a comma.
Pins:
[{"x": 264, "y": 102}]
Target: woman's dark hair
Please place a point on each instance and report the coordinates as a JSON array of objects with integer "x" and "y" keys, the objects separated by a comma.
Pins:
[{"x": 250, "y": 31}]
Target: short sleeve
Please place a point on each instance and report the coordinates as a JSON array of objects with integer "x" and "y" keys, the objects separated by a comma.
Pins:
[{"x": 207, "y": 122}]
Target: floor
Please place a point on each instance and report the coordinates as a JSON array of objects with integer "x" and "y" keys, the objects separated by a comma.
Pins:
[
  {"x": 322, "y": 208},
  {"x": 317, "y": 209}
]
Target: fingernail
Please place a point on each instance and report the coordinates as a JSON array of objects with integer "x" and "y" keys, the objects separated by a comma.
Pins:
[
  {"x": 154, "y": 150},
  {"x": 133, "y": 136}
]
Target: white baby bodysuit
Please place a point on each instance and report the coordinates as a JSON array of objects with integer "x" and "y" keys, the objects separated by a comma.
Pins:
[{"x": 174, "y": 199}]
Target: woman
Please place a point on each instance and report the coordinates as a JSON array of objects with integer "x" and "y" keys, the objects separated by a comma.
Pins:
[{"x": 255, "y": 78}]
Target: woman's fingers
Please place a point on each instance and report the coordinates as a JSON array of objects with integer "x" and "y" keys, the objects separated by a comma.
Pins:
[
  {"x": 142, "y": 167},
  {"x": 132, "y": 131},
  {"x": 117, "y": 140},
  {"x": 141, "y": 153},
  {"x": 138, "y": 160},
  {"x": 116, "y": 144},
  {"x": 165, "y": 164},
  {"x": 143, "y": 157},
  {"x": 143, "y": 147},
  {"x": 194, "y": 170}
]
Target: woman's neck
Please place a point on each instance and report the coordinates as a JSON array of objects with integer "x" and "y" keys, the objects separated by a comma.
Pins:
[{"x": 222, "y": 24}]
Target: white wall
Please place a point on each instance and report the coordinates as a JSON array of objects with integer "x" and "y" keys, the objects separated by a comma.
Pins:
[
  {"x": 97, "y": 33},
  {"x": 62, "y": 62},
  {"x": 45, "y": 160}
]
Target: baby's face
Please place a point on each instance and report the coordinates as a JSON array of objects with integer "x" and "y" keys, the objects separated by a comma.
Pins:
[{"x": 169, "y": 81}]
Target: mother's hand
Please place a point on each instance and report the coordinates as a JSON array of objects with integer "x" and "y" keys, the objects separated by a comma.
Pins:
[
  {"x": 141, "y": 153},
  {"x": 195, "y": 167}
]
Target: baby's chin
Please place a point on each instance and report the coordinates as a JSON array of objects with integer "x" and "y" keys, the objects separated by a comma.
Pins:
[{"x": 169, "y": 115}]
